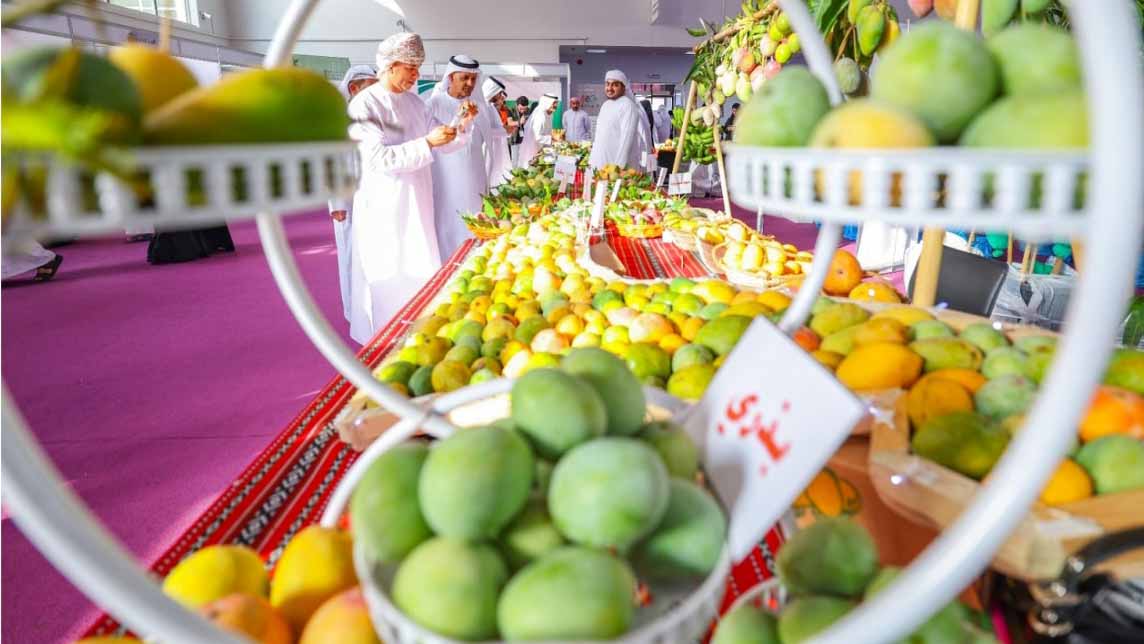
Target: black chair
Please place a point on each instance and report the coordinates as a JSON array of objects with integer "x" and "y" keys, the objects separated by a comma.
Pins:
[{"x": 968, "y": 283}]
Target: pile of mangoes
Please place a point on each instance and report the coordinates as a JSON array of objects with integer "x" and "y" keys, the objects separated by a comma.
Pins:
[
  {"x": 968, "y": 391},
  {"x": 828, "y": 569},
  {"x": 312, "y": 598},
  {"x": 534, "y": 528},
  {"x": 89, "y": 108},
  {"x": 1020, "y": 88}
]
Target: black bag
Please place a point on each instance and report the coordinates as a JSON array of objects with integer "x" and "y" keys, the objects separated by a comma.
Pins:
[{"x": 1084, "y": 607}]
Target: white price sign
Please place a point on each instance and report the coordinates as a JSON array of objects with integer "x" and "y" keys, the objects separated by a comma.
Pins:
[
  {"x": 651, "y": 161},
  {"x": 597, "y": 219},
  {"x": 616, "y": 190},
  {"x": 679, "y": 184},
  {"x": 565, "y": 168},
  {"x": 768, "y": 431},
  {"x": 662, "y": 176}
]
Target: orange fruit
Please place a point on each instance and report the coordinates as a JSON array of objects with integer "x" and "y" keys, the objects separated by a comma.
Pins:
[
  {"x": 251, "y": 616},
  {"x": 690, "y": 328},
  {"x": 968, "y": 378},
  {"x": 1068, "y": 484},
  {"x": 875, "y": 291},
  {"x": 1113, "y": 411},
  {"x": 806, "y": 339},
  {"x": 845, "y": 273}
]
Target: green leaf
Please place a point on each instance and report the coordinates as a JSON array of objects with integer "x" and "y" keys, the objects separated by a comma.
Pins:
[
  {"x": 488, "y": 208},
  {"x": 1134, "y": 324},
  {"x": 696, "y": 32},
  {"x": 827, "y": 12}
]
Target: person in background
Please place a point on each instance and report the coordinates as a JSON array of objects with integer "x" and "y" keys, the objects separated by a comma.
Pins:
[
  {"x": 622, "y": 131},
  {"x": 646, "y": 105},
  {"x": 729, "y": 126},
  {"x": 393, "y": 240},
  {"x": 520, "y": 114},
  {"x": 497, "y": 131},
  {"x": 356, "y": 79},
  {"x": 459, "y": 176},
  {"x": 662, "y": 130},
  {"x": 575, "y": 122},
  {"x": 537, "y": 130}
]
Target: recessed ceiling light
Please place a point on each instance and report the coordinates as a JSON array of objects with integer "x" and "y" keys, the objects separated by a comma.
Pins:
[{"x": 596, "y": 51}]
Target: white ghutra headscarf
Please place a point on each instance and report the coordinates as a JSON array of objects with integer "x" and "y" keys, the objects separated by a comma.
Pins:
[
  {"x": 458, "y": 63},
  {"x": 357, "y": 72}
]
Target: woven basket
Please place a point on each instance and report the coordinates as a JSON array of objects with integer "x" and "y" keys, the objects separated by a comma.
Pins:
[{"x": 707, "y": 257}]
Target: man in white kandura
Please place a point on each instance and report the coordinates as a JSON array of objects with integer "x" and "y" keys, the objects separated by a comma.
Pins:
[
  {"x": 459, "y": 177},
  {"x": 498, "y": 161},
  {"x": 393, "y": 240},
  {"x": 356, "y": 79},
  {"x": 623, "y": 134},
  {"x": 662, "y": 123},
  {"x": 538, "y": 130},
  {"x": 575, "y": 121}
]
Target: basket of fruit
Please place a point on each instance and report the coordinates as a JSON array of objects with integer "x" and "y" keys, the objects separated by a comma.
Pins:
[
  {"x": 824, "y": 572},
  {"x": 571, "y": 510},
  {"x": 761, "y": 263},
  {"x": 980, "y": 377}
]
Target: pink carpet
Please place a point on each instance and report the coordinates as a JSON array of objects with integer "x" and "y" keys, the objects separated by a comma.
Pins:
[{"x": 152, "y": 387}]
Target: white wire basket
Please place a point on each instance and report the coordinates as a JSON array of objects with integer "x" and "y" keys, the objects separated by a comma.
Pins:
[
  {"x": 678, "y": 612},
  {"x": 182, "y": 187},
  {"x": 1036, "y": 195}
]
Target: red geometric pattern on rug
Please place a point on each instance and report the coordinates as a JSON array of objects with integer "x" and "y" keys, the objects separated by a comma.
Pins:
[{"x": 288, "y": 485}]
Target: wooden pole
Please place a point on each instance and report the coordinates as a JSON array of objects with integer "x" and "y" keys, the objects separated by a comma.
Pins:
[
  {"x": 972, "y": 237},
  {"x": 1078, "y": 253},
  {"x": 165, "y": 35},
  {"x": 722, "y": 168},
  {"x": 683, "y": 130},
  {"x": 933, "y": 239},
  {"x": 1009, "y": 251},
  {"x": 1058, "y": 266},
  {"x": 1028, "y": 259}
]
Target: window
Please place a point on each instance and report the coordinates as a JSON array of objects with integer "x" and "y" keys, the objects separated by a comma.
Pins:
[{"x": 180, "y": 10}]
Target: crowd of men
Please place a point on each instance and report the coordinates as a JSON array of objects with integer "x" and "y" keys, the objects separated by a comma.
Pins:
[{"x": 426, "y": 161}]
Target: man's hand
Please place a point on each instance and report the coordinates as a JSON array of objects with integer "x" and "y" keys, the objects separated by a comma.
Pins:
[
  {"x": 441, "y": 135},
  {"x": 338, "y": 215},
  {"x": 470, "y": 111}
]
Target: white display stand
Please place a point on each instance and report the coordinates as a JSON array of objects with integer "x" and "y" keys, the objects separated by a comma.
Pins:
[{"x": 57, "y": 523}]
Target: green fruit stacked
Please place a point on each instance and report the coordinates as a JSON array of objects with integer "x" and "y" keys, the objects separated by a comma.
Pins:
[
  {"x": 491, "y": 541},
  {"x": 828, "y": 568}
]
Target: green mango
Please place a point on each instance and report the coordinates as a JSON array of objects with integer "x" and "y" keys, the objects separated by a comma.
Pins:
[
  {"x": 834, "y": 556},
  {"x": 995, "y": 14},
  {"x": 1034, "y": 7},
  {"x": 747, "y": 625},
  {"x": 871, "y": 25},
  {"x": 965, "y": 442},
  {"x": 278, "y": 105},
  {"x": 387, "y": 516},
  {"x": 805, "y": 617},
  {"x": 855, "y": 8}
]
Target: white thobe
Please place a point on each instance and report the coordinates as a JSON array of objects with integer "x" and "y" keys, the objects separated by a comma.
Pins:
[
  {"x": 662, "y": 126},
  {"x": 498, "y": 162},
  {"x": 536, "y": 133},
  {"x": 622, "y": 135},
  {"x": 576, "y": 126},
  {"x": 393, "y": 242},
  {"x": 342, "y": 237},
  {"x": 23, "y": 257},
  {"x": 459, "y": 175}
]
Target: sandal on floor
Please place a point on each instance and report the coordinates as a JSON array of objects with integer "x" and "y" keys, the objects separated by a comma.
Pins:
[{"x": 48, "y": 271}]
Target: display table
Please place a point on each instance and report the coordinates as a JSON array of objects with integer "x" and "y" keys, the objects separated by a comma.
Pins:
[{"x": 288, "y": 484}]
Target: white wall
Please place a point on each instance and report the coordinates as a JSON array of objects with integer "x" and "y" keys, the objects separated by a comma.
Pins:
[{"x": 494, "y": 31}]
